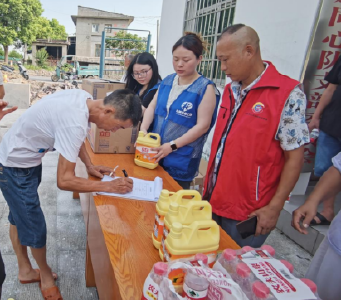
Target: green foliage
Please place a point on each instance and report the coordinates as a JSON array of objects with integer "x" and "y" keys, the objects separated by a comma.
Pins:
[
  {"x": 18, "y": 21},
  {"x": 138, "y": 45},
  {"x": 2, "y": 53},
  {"x": 15, "y": 54},
  {"x": 41, "y": 57},
  {"x": 48, "y": 68},
  {"x": 50, "y": 29}
]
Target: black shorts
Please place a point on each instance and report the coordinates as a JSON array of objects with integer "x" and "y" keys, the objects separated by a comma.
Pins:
[{"x": 2, "y": 271}]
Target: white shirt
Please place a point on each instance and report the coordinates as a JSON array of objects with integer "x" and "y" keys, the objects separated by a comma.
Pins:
[
  {"x": 57, "y": 122},
  {"x": 175, "y": 91},
  {"x": 1, "y": 79}
]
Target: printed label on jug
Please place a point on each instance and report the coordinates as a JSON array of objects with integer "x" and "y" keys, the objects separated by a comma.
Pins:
[{"x": 145, "y": 154}]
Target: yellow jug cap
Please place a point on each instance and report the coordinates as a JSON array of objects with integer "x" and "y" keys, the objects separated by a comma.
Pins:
[
  {"x": 177, "y": 227},
  {"x": 174, "y": 206},
  {"x": 165, "y": 193}
]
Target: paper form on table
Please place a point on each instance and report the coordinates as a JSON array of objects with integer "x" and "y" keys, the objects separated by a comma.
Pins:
[{"x": 142, "y": 190}]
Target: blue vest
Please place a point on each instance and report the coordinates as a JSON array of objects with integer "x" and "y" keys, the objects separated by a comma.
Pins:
[{"x": 182, "y": 164}]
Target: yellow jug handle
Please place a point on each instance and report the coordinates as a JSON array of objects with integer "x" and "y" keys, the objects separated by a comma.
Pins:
[
  {"x": 195, "y": 194},
  {"x": 154, "y": 136}
]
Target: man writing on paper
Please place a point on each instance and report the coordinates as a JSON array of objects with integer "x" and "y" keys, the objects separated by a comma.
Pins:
[
  {"x": 258, "y": 144},
  {"x": 3, "y": 112},
  {"x": 57, "y": 122}
]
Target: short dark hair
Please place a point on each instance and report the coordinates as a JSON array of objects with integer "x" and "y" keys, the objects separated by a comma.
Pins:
[
  {"x": 231, "y": 29},
  {"x": 191, "y": 41},
  {"x": 127, "y": 105},
  {"x": 144, "y": 58}
]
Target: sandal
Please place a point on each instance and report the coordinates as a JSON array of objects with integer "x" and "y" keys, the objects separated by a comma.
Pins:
[
  {"x": 322, "y": 218},
  {"x": 55, "y": 276},
  {"x": 51, "y": 293}
]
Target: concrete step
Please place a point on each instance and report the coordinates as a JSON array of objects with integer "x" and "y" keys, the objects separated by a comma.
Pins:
[{"x": 316, "y": 234}]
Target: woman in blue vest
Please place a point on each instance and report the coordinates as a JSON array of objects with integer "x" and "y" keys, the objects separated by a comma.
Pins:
[
  {"x": 143, "y": 77},
  {"x": 183, "y": 110}
]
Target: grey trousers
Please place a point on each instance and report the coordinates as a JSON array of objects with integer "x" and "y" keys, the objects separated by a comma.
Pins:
[{"x": 325, "y": 271}]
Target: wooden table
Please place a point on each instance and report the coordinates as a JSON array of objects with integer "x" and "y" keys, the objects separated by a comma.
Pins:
[{"x": 120, "y": 252}]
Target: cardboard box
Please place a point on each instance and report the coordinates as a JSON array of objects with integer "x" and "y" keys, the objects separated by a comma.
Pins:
[
  {"x": 101, "y": 141},
  {"x": 121, "y": 141},
  {"x": 99, "y": 88},
  {"x": 198, "y": 182}
]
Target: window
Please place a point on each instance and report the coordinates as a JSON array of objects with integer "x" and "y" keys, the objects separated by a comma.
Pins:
[
  {"x": 210, "y": 17},
  {"x": 108, "y": 30},
  {"x": 95, "y": 27},
  {"x": 97, "y": 50}
]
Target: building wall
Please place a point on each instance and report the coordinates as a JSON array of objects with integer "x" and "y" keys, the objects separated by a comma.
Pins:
[
  {"x": 87, "y": 40},
  {"x": 171, "y": 29}
]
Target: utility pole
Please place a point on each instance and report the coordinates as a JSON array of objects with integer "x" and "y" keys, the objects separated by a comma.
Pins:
[{"x": 157, "y": 35}]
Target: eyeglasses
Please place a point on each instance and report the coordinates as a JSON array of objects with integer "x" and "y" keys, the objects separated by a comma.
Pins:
[{"x": 141, "y": 74}]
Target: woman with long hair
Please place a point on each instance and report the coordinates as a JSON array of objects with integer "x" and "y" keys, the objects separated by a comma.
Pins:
[{"x": 143, "y": 77}]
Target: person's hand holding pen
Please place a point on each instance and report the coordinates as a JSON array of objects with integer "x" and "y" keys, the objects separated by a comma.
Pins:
[{"x": 121, "y": 185}]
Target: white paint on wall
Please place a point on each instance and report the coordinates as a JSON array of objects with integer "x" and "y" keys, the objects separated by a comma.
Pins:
[
  {"x": 285, "y": 28},
  {"x": 171, "y": 29}
]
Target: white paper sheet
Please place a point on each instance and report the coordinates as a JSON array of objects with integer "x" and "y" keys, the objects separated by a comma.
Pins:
[{"x": 142, "y": 190}]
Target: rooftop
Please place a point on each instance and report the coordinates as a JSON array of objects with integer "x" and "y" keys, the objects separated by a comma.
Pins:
[{"x": 88, "y": 12}]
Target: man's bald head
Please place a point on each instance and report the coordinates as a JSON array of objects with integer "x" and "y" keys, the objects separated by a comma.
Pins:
[
  {"x": 242, "y": 36},
  {"x": 239, "y": 53}
]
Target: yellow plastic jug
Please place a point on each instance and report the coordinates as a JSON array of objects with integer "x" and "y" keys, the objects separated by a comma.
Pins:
[
  {"x": 144, "y": 156},
  {"x": 184, "y": 241},
  {"x": 162, "y": 206},
  {"x": 185, "y": 215}
]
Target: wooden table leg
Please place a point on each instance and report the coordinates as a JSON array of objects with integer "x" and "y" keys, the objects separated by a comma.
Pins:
[{"x": 89, "y": 271}]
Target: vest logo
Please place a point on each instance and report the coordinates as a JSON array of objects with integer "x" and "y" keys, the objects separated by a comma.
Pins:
[
  {"x": 186, "y": 106},
  {"x": 258, "y": 108}
]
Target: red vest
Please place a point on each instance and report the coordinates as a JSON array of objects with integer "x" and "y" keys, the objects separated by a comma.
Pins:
[{"x": 252, "y": 160}]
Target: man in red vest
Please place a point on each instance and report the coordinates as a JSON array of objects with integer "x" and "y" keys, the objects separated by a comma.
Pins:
[{"x": 258, "y": 144}]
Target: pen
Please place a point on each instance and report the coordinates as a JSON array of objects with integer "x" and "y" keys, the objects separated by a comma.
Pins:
[
  {"x": 113, "y": 171},
  {"x": 125, "y": 173}
]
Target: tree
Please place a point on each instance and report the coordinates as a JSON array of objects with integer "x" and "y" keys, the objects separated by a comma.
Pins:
[
  {"x": 41, "y": 57},
  {"x": 15, "y": 54},
  {"x": 132, "y": 42},
  {"x": 18, "y": 21},
  {"x": 50, "y": 29}
]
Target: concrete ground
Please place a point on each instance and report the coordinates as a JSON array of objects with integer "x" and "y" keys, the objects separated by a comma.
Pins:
[{"x": 66, "y": 242}]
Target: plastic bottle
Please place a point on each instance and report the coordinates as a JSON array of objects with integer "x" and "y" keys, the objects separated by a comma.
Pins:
[
  {"x": 229, "y": 261},
  {"x": 200, "y": 257},
  {"x": 144, "y": 156},
  {"x": 159, "y": 271},
  {"x": 261, "y": 292},
  {"x": 314, "y": 135},
  {"x": 270, "y": 250},
  {"x": 151, "y": 286},
  {"x": 289, "y": 266},
  {"x": 195, "y": 287},
  {"x": 246, "y": 249},
  {"x": 311, "y": 284},
  {"x": 244, "y": 278}
]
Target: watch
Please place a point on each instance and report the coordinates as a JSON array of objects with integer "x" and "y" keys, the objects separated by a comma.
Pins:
[{"x": 173, "y": 146}]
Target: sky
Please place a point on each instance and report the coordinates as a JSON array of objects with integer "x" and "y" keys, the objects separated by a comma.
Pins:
[{"x": 145, "y": 12}]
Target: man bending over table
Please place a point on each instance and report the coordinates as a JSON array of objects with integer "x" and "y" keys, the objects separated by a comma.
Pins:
[{"x": 58, "y": 122}]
